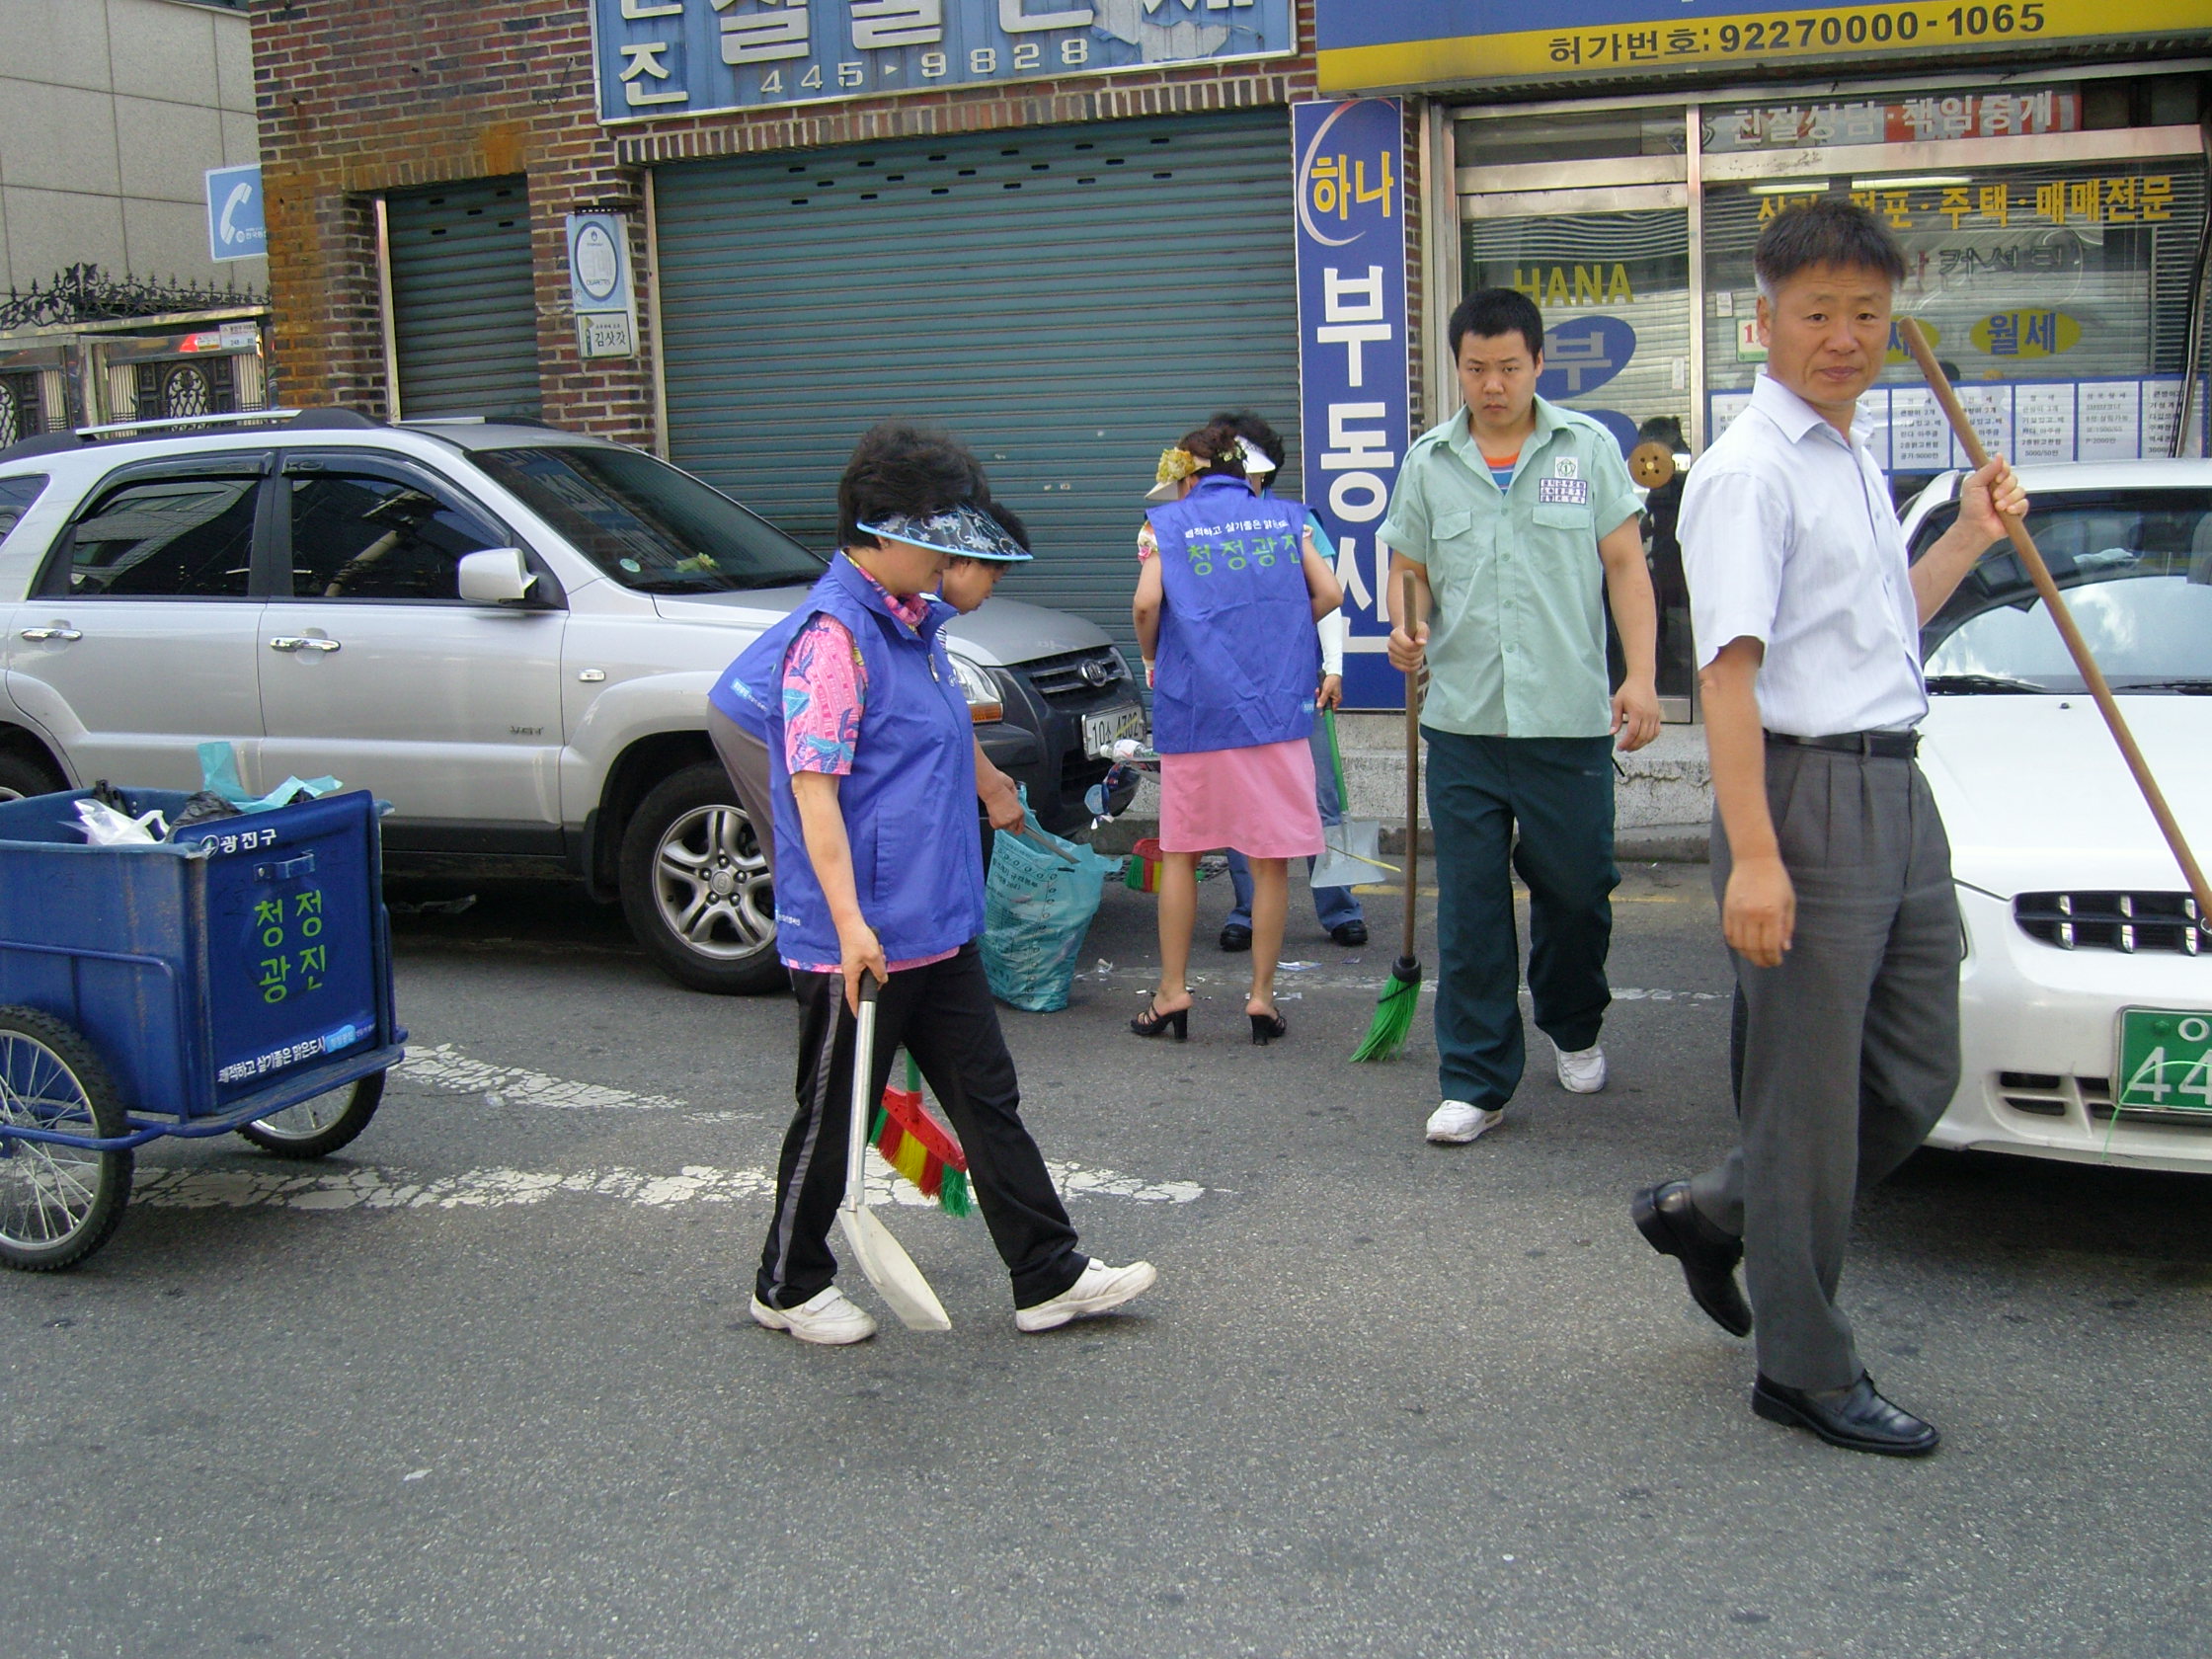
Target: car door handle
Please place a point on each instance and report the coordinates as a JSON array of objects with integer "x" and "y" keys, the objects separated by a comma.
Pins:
[
  {"x": 53, "y": 634},
  {"x": 298, "y": 642}
]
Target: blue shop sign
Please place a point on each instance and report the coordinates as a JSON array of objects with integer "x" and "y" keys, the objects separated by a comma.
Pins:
[
  {"x": 1355, "y": 403},
  {"x": 680, "y": 58}
]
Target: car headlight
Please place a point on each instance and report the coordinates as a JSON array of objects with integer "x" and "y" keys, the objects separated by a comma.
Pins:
[{"x": 982, "y": 692}]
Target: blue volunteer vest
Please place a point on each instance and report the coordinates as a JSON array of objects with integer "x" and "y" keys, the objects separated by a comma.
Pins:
[
  {"x": 1239, "y": 658},
  {"x": 910, "y": 801}
]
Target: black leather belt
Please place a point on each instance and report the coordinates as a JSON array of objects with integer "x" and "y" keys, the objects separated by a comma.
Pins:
[{"x": 1879, "y": 746}]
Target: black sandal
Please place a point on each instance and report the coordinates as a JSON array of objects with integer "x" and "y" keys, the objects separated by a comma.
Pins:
[
  {"x": 1151, "y": 1022},
  {"x": 1267, "y": 1027}
]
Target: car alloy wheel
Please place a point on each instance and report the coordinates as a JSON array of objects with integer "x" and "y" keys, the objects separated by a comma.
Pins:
[
  {"x": 695, "y": 885},
  {"x": 711, "y": 883}
]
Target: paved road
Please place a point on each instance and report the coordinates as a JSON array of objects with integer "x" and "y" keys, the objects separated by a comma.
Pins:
[{"x": 485, "y": 1383}]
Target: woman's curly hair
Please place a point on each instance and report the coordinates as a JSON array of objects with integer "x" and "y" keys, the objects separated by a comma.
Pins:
[{"x": 900, "y": 467}]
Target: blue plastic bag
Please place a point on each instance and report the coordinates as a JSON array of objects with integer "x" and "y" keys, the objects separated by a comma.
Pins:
[
  {"x": 1038, "y": 904},
  {"x": 218, "y": 775}
]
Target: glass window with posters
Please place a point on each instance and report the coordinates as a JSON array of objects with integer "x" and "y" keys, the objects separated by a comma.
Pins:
[
  {"x": 2058, "y": 290},
  {"x": 2054, "y": 234}
]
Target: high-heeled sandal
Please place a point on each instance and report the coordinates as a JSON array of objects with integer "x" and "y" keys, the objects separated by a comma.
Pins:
[
  {"x": 1267, "y": 1027},
  {"x": 1153, "y": 1021}
]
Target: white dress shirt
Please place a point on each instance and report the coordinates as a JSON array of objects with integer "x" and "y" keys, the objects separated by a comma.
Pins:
[{"x": 1788, "y": 538}]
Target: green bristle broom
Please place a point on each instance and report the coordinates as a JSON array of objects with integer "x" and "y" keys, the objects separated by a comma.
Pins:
[{"x": 1394, "y": 1014}]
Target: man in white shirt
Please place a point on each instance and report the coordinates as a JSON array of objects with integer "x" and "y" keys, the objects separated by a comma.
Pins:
[{"x": 1829, "y": 857}]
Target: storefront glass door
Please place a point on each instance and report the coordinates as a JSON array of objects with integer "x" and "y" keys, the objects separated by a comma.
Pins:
[{"x": 1610, "y": 269}]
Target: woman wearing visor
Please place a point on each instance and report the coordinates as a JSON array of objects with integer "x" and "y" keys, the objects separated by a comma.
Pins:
[{"x": 873, "y": 785}]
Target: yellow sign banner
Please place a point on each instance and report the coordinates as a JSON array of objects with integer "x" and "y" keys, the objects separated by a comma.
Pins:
[{"x": 1753, "y": 38}]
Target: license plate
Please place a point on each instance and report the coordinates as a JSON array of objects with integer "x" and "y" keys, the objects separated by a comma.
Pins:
[
  {"x": 1102, "y": 731},
  {"x": 2165, "y": 1059}
]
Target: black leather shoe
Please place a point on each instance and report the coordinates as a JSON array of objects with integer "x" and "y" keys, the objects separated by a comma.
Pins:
[
  {"x": 1236, "y": 936},
  {"x": 1349, "y": 933},
  {"x": 1855, "y": 1418},
  {"x": 1667, "y": 1218}
]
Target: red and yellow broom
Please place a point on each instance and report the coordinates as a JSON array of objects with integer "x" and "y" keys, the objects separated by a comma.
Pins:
[{"x": 919, "y": 1147}]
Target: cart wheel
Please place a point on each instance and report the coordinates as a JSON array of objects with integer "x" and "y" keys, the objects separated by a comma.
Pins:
[
  {"x": 58, "y": 1204},
  {"x": 319, "y": 1126}
]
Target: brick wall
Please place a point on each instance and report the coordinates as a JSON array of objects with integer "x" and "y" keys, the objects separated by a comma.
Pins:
[{"x": 360, "y": 96}]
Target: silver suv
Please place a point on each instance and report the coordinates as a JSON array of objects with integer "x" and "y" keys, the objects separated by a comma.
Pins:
[{"x": 507, "y": 631}]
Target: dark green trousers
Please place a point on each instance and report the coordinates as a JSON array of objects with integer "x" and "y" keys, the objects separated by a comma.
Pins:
[{"x": 1557, "y": 792}]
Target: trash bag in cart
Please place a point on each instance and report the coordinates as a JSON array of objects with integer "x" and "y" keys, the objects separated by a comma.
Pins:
[{"x": 236, "y": 978}]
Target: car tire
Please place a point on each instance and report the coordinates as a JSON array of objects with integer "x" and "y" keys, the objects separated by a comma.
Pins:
[
  {"x": 695, "y": 888},
  {"x": 21, "y": 775}
]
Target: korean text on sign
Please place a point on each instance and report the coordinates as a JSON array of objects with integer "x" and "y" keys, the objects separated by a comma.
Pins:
[{"x": 1355, "y": 403}]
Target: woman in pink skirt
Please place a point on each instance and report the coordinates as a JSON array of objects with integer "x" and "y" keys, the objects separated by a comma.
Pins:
[{"x": 1224, "y": 615}]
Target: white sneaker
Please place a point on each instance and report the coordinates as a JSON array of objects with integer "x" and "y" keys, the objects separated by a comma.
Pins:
[
  {"x": 827, "y": 1320},
  {"x": 1100, "y": 1290},
  {"x": 1582, "y": 1071},
  {"x": 1456, "y": 1123}
]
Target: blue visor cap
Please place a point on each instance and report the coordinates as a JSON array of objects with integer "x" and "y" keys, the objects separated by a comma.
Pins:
[{"x": 964, "y": 532}]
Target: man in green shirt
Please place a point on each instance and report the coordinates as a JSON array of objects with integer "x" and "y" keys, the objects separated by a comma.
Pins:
[{"x": 1518, "y": 522}]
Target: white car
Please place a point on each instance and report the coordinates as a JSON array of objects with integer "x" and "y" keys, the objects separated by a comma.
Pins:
[{"x": 2086, "y": 997}]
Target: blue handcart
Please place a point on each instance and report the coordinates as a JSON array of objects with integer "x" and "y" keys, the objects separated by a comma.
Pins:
[{"x": 237, "y": 978}]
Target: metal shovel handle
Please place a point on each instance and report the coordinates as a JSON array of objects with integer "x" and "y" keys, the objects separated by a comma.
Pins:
[{"x": 863, "y": 1106}]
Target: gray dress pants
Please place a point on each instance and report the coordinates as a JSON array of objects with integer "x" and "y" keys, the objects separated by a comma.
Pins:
[{"x": 1849, "y": 1051}]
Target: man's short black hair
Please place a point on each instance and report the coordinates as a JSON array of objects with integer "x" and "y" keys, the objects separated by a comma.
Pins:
[
  {"x": 898, "y": 467},
  {"x": 1830, "y": 231},
  {"x": 1262, "y": 437},
  {"x": 1489, "y": 312}
]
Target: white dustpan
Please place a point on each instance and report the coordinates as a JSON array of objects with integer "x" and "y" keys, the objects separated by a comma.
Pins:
[{"x": 881, "y": 1257}]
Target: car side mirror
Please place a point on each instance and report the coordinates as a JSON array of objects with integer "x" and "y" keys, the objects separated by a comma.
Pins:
[{"x": 500, "y": 576}]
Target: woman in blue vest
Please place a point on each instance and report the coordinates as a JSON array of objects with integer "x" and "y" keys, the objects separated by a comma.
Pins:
[
  {"x": 1225, "y": 613},
  {"x": 873, "y": 773}
]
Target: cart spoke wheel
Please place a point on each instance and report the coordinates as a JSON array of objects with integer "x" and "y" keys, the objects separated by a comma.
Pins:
[
  {"x": 319, "y": 1126},
  {"x": 57, "y": 1203},
  {"x": 711, "y": 883}
]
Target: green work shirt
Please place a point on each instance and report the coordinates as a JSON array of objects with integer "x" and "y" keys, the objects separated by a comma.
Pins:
[{"x": 1517, "y": 632}]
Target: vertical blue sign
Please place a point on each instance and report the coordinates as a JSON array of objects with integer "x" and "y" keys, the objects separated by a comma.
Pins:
[
  {"x": 237, "y": 227},
  {"x": 1355, "y": 402}
]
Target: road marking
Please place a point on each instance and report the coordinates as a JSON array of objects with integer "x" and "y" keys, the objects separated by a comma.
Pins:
[
  {"x": 446, "y": 1066},
  {"x": 491, "y": 1189}
]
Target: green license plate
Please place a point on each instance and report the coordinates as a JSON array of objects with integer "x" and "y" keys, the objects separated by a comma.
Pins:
[{"x": 2165, "y": 1059}]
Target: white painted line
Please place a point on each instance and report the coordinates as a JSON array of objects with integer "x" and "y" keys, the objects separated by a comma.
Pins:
[
  {"x": 489, "y": 1189},
  {"x": 446, "y": 1066}
]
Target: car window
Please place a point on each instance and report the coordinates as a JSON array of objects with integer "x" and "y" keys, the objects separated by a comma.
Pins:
[
  {"x": 647, "y": 526},
  {"x": 166, "y": 539},
  {"x": 361, "y": 536},
  {"x": 2136, "y": 570},
  {"x": 16, "y": 495}
]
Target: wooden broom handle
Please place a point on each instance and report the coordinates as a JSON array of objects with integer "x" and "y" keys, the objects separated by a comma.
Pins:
[
  {"x": 1412, "y": 779},
  {"x": 2078, "y": 648}
]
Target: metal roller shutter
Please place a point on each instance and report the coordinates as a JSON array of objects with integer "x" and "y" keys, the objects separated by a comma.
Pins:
[
  {"x": 464, "y": 306},
  {"x": 1068, "y": 300}
]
